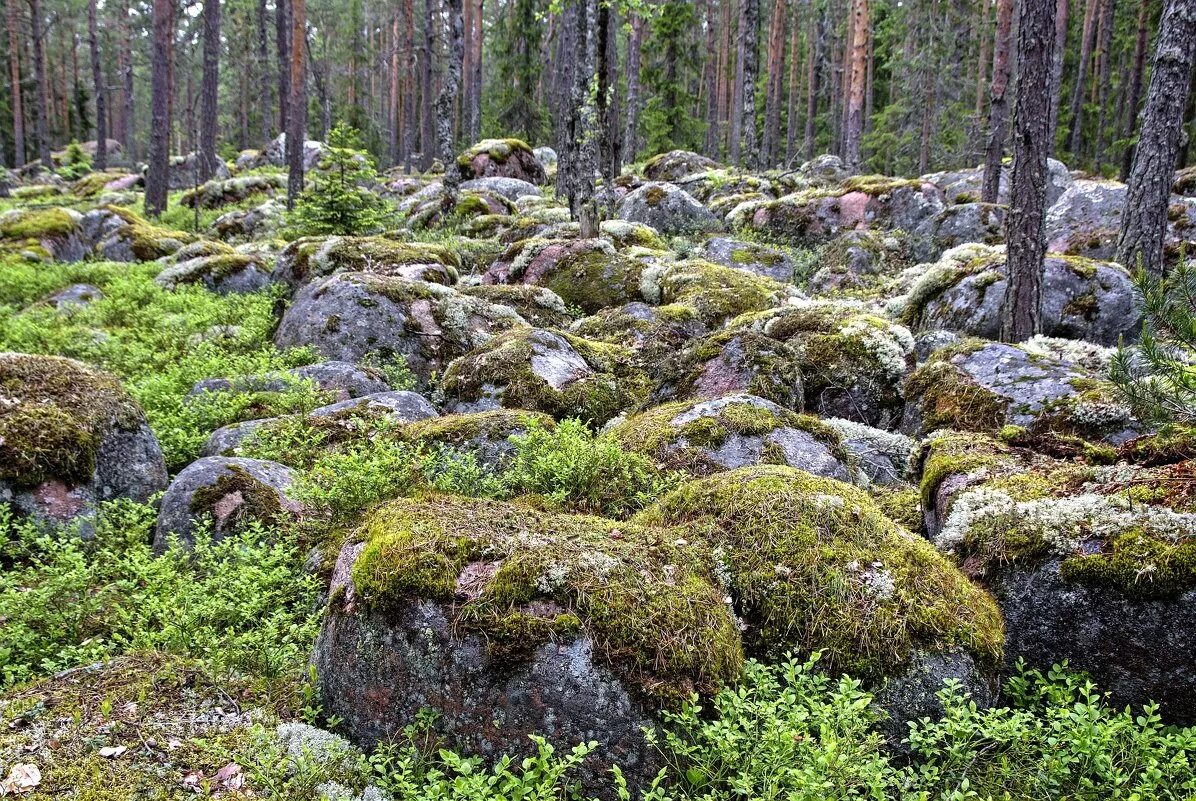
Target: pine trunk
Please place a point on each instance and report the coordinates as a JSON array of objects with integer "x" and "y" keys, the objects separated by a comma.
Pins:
[
  {"x": 743, "y": 104},
  {"x": 97, "y": 77},
  {"x": 14, "y": 74},
  {"x": 1135, "y": 95},
  {"x": 635, "y": 39},
  {"x": 297, "y": 107},
  {"x": 1144, "y": 222},
  {"x": 854, "y": 128},
  {"x": 813, "y": 78},
  {"x": 794, "y": 89},
  {"x": 209, "y": 92},
  {"x": 161, "y": 62},
  {"x": 128, "y": 127},
  {"x": 575, "y": 172},
  {"x": 263, "y": 72},
  {"x": 282, "y": 39},
  {"x": 775, "y": 72},
  {"x": 1057, "y": 69},
  {"x": 446, "y": 101},
  {"x": 998, "y": 109},
  {"x": 1021, "y": 314},
  {"x": 39, "y": 74},
  {"x": 606, "y": 106},
  {"x": 409, "y": 122},
  {"x": 982, "y": 75},
  {"x": 427, "y": 144}
]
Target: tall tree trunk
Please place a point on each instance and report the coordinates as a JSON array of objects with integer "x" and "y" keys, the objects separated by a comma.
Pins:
[
  {"x": 128, "y": 125},
  {"x": 394, "y": 129},
  {"x": 14, "y": 74},
  {"x": 1087, "y": 42},
  {"x": 578, "y": 151},
  {"x": 97, "y": 77},
  {"x": 1057, "y": 69},
  {"x": 427, "y": 136},
  {"x": 161, "y": 63},
  {"x": 635, "y": 39},
  {"x": 1103, "y": 84},
  {"x": 297, "y": 107},
  {"x": 1135, "y": 95},
  {"x": 473, "y": 127},
  {"x": 39, "y": 73},
  {"x": 998, "y": 110},
  {"x": 770, "y": 144},
  {"x": 209, "y": 92},
  {"x": 282, "y": 43},
  {"x": 409, "y": 121},
  {"x": 1021, "y": 314},
  {"x": 606, "y": 106},
  {"x": 1144, "y": 222},
  {"x": 981, "y": 74},
  {"x": 861, "y": 27},
  {"x": 446, "y": 101},
  {"x": 817, "y": 49},
  {"x": 263, "y": 72},
  {"x": 794, "y": 88},
  {"x": 744, "y": 147}
]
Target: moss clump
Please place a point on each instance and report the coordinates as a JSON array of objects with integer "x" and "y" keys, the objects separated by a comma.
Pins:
[
  {"x": 258, "y": 501},
  {"x": 1170, "y": 445},
  {"x": 951, "y": 399},
  {"x": 93, "y": 183},
  {"x": 148, "y": 242},
  {"x": 814, "y": 565},
  {"x": 54, "y": 413},
  {"x": 462, "y": 429},
  {"x": 773, "y": 367},
  {"x": 680, "y": 445},
  {"x": 375, "y": 255},
  {"x": 593, "y": 279},
  {"x": 646, "y": 596},
  {"x": 902, "y": 505},
  {"x": 1140, "y": 565},
  {"x": 718, "y": 293},
  {"x": 953, "y": 453},
  {"x": 610, "y": 383},
  {"x": 40, "y": 224}
]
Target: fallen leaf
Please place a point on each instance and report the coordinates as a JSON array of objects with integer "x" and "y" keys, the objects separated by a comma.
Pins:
[
  {"x": 193, "y": 781},
  {"x": 112, "y": 751},
  {"x": 21, "y": 779},
  {"x": 230, "y": 776},
  {"x": 173, "y": 744}
]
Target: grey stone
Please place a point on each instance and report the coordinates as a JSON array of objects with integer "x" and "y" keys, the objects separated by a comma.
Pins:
[
  {"x": 749, "y": 256},
  {"x": 75, "y": 296},
  {"x": 510, "y": 188},
  {"x": 401, "y": 406},
  {"x": 668, "y": 209}
]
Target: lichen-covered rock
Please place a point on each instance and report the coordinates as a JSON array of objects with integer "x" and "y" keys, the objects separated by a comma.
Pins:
[
  {"x": 667, "y": 208},
  {"x": 587, "y": 273},
  {"x": 508, "y": 621},
  {"x": 241, "y": 224},
  {"x": 340, "y": 380},
  {"x": 230, "y": 492},
  {"x": 1042, "y": 385},
  {"x": 75, "y": 296},
  {"x": 655, "y": 333},
  {"x": 400, "y": 406},
  {"x": 625, "y": 234},
  {"x": 546, "y": 371},
  {"x": 315, "y": 257},
  {"x": 214, "y": 194},
  {"x": 181, "y": 172},
  {"x": 70, "y": 437},
  {"x": 859, "y": 261},
  {"x": 964, "y": 186},
  {"x": 50, "y": 233},
  {"x": 824, "y": 170},
  {"x": 538, "y": 305},
  {"x": 715, "y": 292},
  {"x": 714, "y": 185},
  {"x": 677, "y": 164},
  {"x": 510, "y": 188},
  {"x": 485, "y": 435},
  {"x": 136, "y": 239},
  {"x": 884, "y": 457},
  {"x": 224, "y": 272},
  {"x": 1088, "y": 565},
  {"x": 275, "y": 154},
  {"x": 852, "y": 362},
  {"x": 812, "y": 564},
  {"x": 727, "y": 361},
  {"x": 964, "y": 292},
  {"x": 352, "y": 316},
  {"x": 505, "y": 158},
  {"x": 956, "y": 225},
  {"x": 760, "y": 259},
  {"x": 738, "y": 430}
]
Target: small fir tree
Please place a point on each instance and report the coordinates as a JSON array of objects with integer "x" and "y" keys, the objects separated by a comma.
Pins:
[
  {"x": 1159, "y": 376},
  {"x": 337, "y": 199}
]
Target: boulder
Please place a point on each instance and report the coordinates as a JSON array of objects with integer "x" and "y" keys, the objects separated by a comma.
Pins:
[
  {"x": 587, "y": 273},
  {"x": 181, "y": 173},
  {"x": 732, "y": 431},
  {"x": 759, "y": 259},
  {"x": 957, "y": 225},
  {"x": 886, "y": 458},
  {"x": 546, "y": 371},
  {"x": 964, "y": 292},
  {"x": 677, "y": 164},
  {"x": 860, "y": 260},
  {"x": 224, "y": 273},
  {"x": 233, "y": 493},
  {"x": 275, "y": 154},
  {"x": 668, "y": 209},
  {"x": 70, "y": 437},
  {"x": 655, "y": 333},
  {"x": 352, "y": 316},
  {"x": 51, "y": 233},
  {"x": 504, "y": 158},
  {"x": 484, "y": 435},
  {"x": 824, "y": 170},
  {"x": 964, "y": 186},
  {"x": 214, "y": 194},
  {"x": 75, "y": 296},
  {"x": 730, "y": 361},
  {"x": 510, "y": 188},
  {"x": 315, "y": 257},
  {"x": 541, "y": 307},
  {"x": 243, "y": 224},
  {"x": 400, "y": 406},
  {"x": 546, "y": 156},
  {"x": 716, "y": 293}
]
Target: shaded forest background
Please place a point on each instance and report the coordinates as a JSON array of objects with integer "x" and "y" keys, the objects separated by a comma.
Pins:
[{"x": 681, "y": 68}]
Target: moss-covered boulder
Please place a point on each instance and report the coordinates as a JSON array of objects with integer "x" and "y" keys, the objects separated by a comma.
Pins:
[
  {"x": 587, "y": 273},
  {"x": 964, "y": 292},
  {"x": 728, "y": 361},
  {"x": 1044, "y": 385},
  {"x": 510, "y": 188},
  {"x": 860, "y": 263},
  {"x": 227, "y": 493},
  {"x": 217, "y": 267},
  {"x": 355, "y": 316},
  {"x": 74, "y": 297},
  {"x": 137, "y": 239},
  {"x": 506, "y": 158},
  {"x": 485, "y": 435},
  {"x": 508, "y": 621},
  {"x": 71, "y": 437},
  {"x": 813, "y": 565},
  {"x": 885, "y": 458},
  {"x": 760, "y": 259},
  {"x": 214, "y": 194},
  {"x": 538, "y": 305},
  {"x": 668, "y": 209},
  {"x": 546, "y": 371},
  {"x": 315, "y": 257},
  {"x": 1095, "y": 566},
  {"x": 958, "y": 224},
  {"x": 852, "y": 362},
  {"x": 655, "y": 333},
  {"x": 624, "y": 234},
  {"x": 677, "y": 164},
  {"x": 713, "y": 185},
  {"x": 738, "y": 430},
  {"x": 715, "y": 292},
  {"x": 244, "y": 224},
  {"x": 50, "y": 233}
]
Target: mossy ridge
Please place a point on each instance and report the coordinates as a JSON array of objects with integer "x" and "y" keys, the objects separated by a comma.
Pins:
[
  {"x": 1167, "y": 446},
  {"x": 814, "y": 565},
  {"x": 718, "y": 293},
  {"x": 461, "y": 429},
  {"x": 298, "y": 440},
  {"x": 536, "y": 304},
  {"x": 147, "y": 241},
  {"x": 372, "y": 255},
  {"x": 953, "y": 267},
  {"x": 947, "y": 453},
  {"x": 55, "y": 415},
  {"x": 499, "y": 150},
  {"x": 593, "y": 279},
  {"x": 949, "y": 398},
  {"x": 37, "y": 224},
  {"x": 646, "y": 596},
  {"x": 505, "y": 361},
  {"x": 680, "y": 447},
  {"x": 93, "y": 183}
]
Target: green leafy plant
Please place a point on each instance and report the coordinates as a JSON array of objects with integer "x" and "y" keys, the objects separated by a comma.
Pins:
[
  {"x": 75, "y": 162},
  {"x": 339, "y": 199}
]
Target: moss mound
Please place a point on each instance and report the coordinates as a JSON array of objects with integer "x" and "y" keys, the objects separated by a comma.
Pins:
[
  {"x": 462, "y": 429},
  {"x": 314, "y": 257},
  {"x": 38, "y": 224},
  {"x": 718, "y": 293},
  {"x": 54, "y": 413},
  {"x": 646, "y": 596},
  {"x": 814, "y": 565}
]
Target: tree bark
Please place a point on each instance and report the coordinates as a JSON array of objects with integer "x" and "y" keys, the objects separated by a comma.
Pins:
[
  {"x": 161, "y": 61},
  {"x": 794, "y": 88},
  {"x": 1144, "y": 222},
  {"x": 982, "y": 63},
  {"x": 263, "y": 72},
  {"x": 635, "y": 39},
  {"x": 578, "y": 151},
  {"x": 427, "y": 144},
  {"x": 282, "y": 43},
  {"x": 297, "y": 107},
  {"x": 1104, "y": 82},
  {"x": 128, "y": 125},
  {"x": 39, "y": 73},
  {"x": 1087, "y": 41},
  {"x": 1135, "y": 95},
  {"x": 446, "y": 101},
  {"x": 97, "y": 76},
  {"x": 744, "y": 145},
  {"x": 209, "y": 92},
  {"x": 409, "y": 121},
  {"x": 998, "y": 110},
  {"x": 1021, "y": 314},
  {"x": 606, "y": 106},
  {"x": 770, "y": 144},
  {"x": 1057, "y": 69},
  {"x": 854, "y": 129},
  {"x": 473, "y": 125},
  {"x": 817, "y": 50},
  {"x": 14, "y": 74}
]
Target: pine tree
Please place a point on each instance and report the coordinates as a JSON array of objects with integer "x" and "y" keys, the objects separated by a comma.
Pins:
[
  {"x": 668, "y": 118},
  {"x": 339, "y": 200}
]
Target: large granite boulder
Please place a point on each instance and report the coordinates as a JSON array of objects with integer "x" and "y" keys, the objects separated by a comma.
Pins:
[
  {"x": 504, "y": 158},
  {"x": 667, "y": 208},
  {"x": 315, "y": 257},
  {"x": 677, "y": 164},
  {"x": 587, "y": 273},
  {"x": 760, "y": 259}
]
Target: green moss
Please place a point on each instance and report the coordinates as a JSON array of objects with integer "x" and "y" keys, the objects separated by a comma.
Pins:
[
  {"x": 814, "y": 565},
  {"x": 40, "y": 224},
  {"x": 902, "y": 505},
  {"x": 55, "y": 413},
  {"x": 1139, "y": 565},
  {"x": 461, "y": 429},
  {"x": 376, "y": 255},
  {"x": 258, "y": 501},
  {"x": 654, "y": 195},
  {"x": 950, "y": 399},
  {"x": 646, "y": 597},
  {"x": 1169, "y": 445},
  {"x": 954, "y": 453},
  {"x": 148, "y": 242},
  {"x": 718, "y": 293},
  {"x": 774, "y": 367},
  {"x": 92, "y": 184}
]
